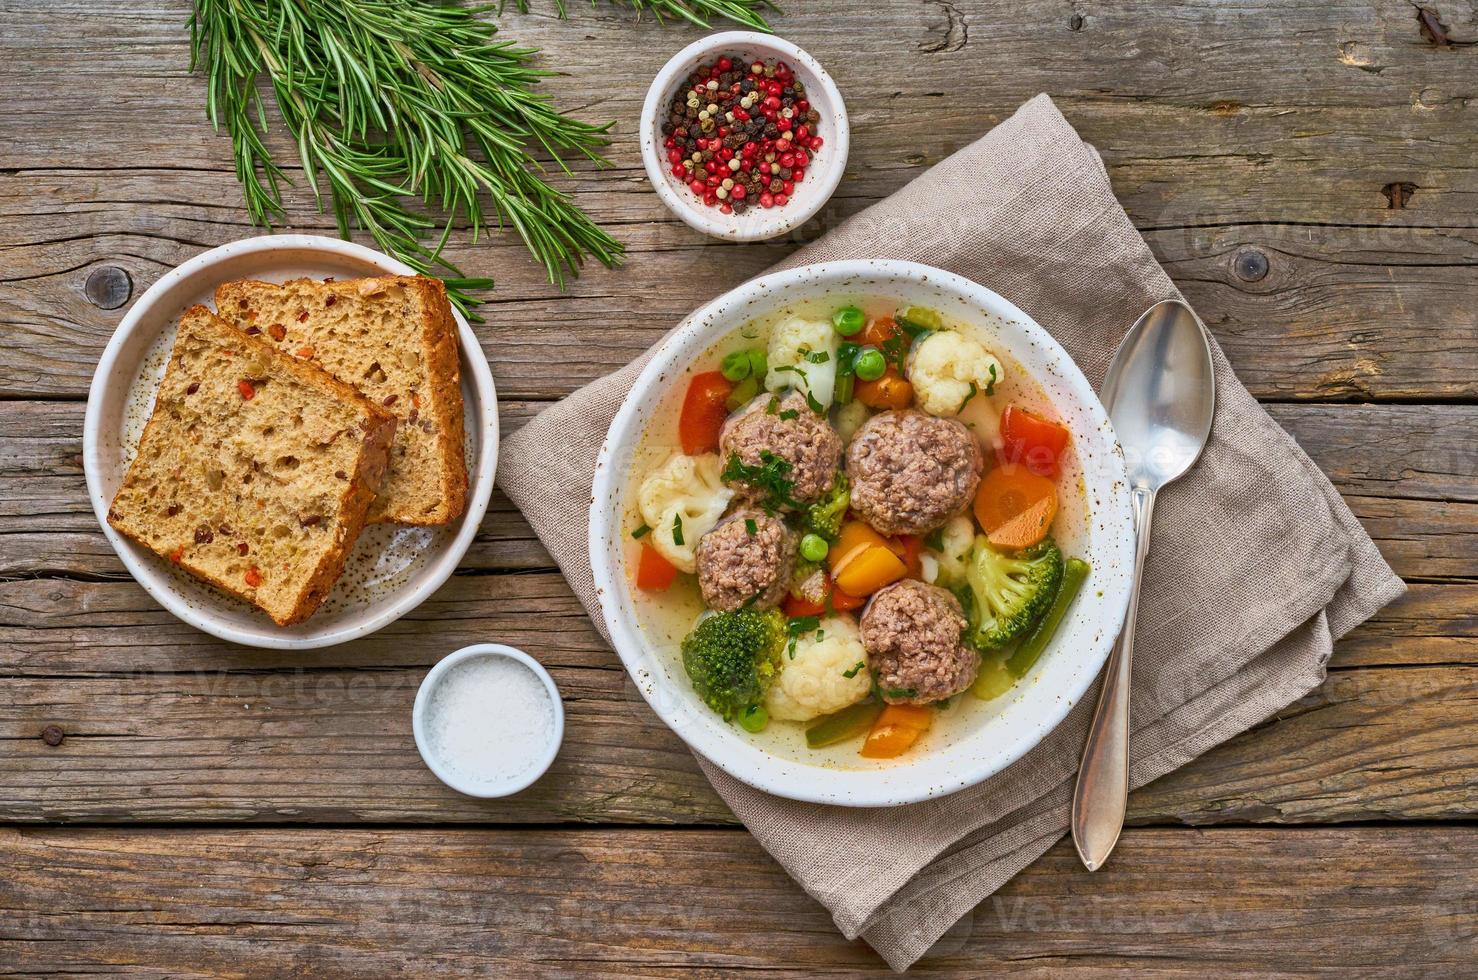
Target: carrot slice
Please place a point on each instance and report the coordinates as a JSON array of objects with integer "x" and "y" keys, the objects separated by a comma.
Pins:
[
  {"x": 896, "y": 730},
  {"x": 705, "y": 409},
  {"x": 889, "y": 391},
  {"x": 653, "y": 572},
  {"x": 1015, "y": 506},
  {"x": 879, "y": 331}
]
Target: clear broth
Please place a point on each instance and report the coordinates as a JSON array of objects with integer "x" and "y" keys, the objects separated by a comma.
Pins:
[{"x": 667, "y": 617}]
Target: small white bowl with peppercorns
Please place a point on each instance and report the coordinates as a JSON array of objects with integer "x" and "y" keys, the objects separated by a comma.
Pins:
[{"x": 744, "y": 136}]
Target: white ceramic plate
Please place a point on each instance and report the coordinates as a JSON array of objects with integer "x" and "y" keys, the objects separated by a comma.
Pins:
[
  {"x": 392, "y": 568},
  {"x": 1016, "y": 721}
]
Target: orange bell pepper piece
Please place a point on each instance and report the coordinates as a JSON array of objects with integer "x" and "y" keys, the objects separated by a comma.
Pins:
[
  {"x": 862, "y": 561},
  {"x": 653, "y": 572},
  {"x": 896, "y": 730},
  {"x": 705, "y": 409},
  {"x": 1032, "y": 441}
]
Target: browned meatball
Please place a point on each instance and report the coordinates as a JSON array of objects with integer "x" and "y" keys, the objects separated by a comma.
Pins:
[
  {"x": 911, "y": 472},
  {"x": 738, "y": 568},
  {"x": 911, "y": 632},
  {"x": 793, "y": 433}
]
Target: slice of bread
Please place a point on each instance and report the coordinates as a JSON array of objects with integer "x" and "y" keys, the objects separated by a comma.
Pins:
[
  {"x": 395, "y": 340},
  {"x": 255, "y": 471}
]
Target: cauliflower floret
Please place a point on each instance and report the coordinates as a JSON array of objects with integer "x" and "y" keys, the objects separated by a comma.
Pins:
[
  {"x": 950, "y": 561},
  {"x": 944, "y": 365},
  {"x": 689, "y": 487},
  {"x": 814, "y": 682},
  {"x": 803, "y": 355}
]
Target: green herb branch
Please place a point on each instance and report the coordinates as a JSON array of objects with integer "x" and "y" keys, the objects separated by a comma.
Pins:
[
  {"x": 699, "y": 12},
  {"x": 391, "y": 100}
]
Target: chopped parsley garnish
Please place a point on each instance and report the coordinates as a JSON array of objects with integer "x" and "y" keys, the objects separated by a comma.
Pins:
[
  {"x": 900, "y": 692},
  {"x": 974, "y": 390},
  {"x": 990, "y": 388},
  {"x": 817, "y": 356},
  {"x": 750, "y": 527},
  {"x": 641, "y": 532},
  {"x": 789, "y": 414},
  {"x": 895, "y": 349},
  {"x": 771, "y": 478},
  {"x": 847, "y": 358},
  {"x": 774, "y": 405},
  {"x": 798, "y": 626},
  {"x": 914, "y": 330},
  {"x": 677, "y": 530},
  {"x": 849, "y": 674},
  {"x": 934, "y": 540},
  {"x": 815, "y": 404},
  {"x": 803, "y": 624}
]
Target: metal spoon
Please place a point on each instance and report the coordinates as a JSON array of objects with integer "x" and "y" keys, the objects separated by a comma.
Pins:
[{"x": 1161, "y": 394}]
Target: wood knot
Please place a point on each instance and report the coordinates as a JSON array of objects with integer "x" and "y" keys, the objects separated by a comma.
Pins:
[
  {"x": 1250, "y": 265},
  {"x": 1075, "y": 22},
  {"x": 108, "y": 287},
  {"x": 52, "y": 735},
  {"x": 1398, "y": 194}
]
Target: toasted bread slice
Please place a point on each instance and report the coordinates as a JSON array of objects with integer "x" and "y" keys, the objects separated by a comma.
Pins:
[
  {"x": 255, "y": 471},
  {"x": 395, "y": 340}
]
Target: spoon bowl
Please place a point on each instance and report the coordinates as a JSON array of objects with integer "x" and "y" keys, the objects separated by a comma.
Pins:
[{"x": 1161, "y": 396}]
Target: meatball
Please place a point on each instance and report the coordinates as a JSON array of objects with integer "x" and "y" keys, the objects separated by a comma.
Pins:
[
  {"x": 911, "y": 632},
  {"x": 911, "y": 472},
  {"x": 793, "y": 433},
  {"x": 737, "y": 567}
]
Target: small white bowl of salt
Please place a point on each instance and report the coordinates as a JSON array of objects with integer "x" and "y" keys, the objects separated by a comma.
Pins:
[{"x": 488, "y": 720}]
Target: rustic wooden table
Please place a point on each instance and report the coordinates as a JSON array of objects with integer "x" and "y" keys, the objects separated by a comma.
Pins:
[{"x": 1306, "y": 173}]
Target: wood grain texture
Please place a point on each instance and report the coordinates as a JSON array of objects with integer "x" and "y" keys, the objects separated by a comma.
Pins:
[
  {"x": 1227, "y": 130},
  {"x": 1289, "y": 162},
  {"x": 164, "y": 723},
  {"x": 1389, "y": 902},
  {"x": 1410, "y": 473}
]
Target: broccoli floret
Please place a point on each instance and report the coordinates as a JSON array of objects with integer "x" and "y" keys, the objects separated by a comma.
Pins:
[
  {"x": 731, "y": 658},
  {"x": 1008, "y": 593},
  {"x": 824, "y": 517}
]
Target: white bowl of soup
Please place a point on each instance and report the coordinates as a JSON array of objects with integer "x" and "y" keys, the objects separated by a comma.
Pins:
[{"x": 861, "y": 533}]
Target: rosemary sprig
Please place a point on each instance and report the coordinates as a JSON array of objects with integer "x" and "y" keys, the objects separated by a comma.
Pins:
[
  {"x": 699, "y": 12},
  {"x": 388, "y": 100}
]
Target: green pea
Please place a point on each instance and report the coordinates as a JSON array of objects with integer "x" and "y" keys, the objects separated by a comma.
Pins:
[
  {"x": 871, "y": 364},
  {"x": 848, "y": 320},
  {"x": 754, "y": 718},
  {"x": 814, "y": 547},
  {"x": 742, "y": 393},
  {"x": 736, "y": 366},
  {"x": 923, "y": 317},
  {"x": 758, "y": 363}
]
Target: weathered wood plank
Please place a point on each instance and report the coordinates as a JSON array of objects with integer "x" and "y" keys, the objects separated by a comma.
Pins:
[
  {"x": 1291, "y": 162},
  {"x": 1393, "y": 902},
  {"x": 164, "y": 723},
  {"x": 1353, "y": 313},
  {"x": 1409, "y": 472}
]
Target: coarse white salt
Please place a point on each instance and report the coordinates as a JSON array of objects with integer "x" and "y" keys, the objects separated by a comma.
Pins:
[{"x": 490, "y": 720}]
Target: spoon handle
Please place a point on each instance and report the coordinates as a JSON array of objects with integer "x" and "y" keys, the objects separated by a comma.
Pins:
[{"x": 1102, "y": 792}]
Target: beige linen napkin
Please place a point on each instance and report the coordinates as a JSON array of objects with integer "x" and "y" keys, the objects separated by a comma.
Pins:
[{"x": 1257, "y": 565}]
